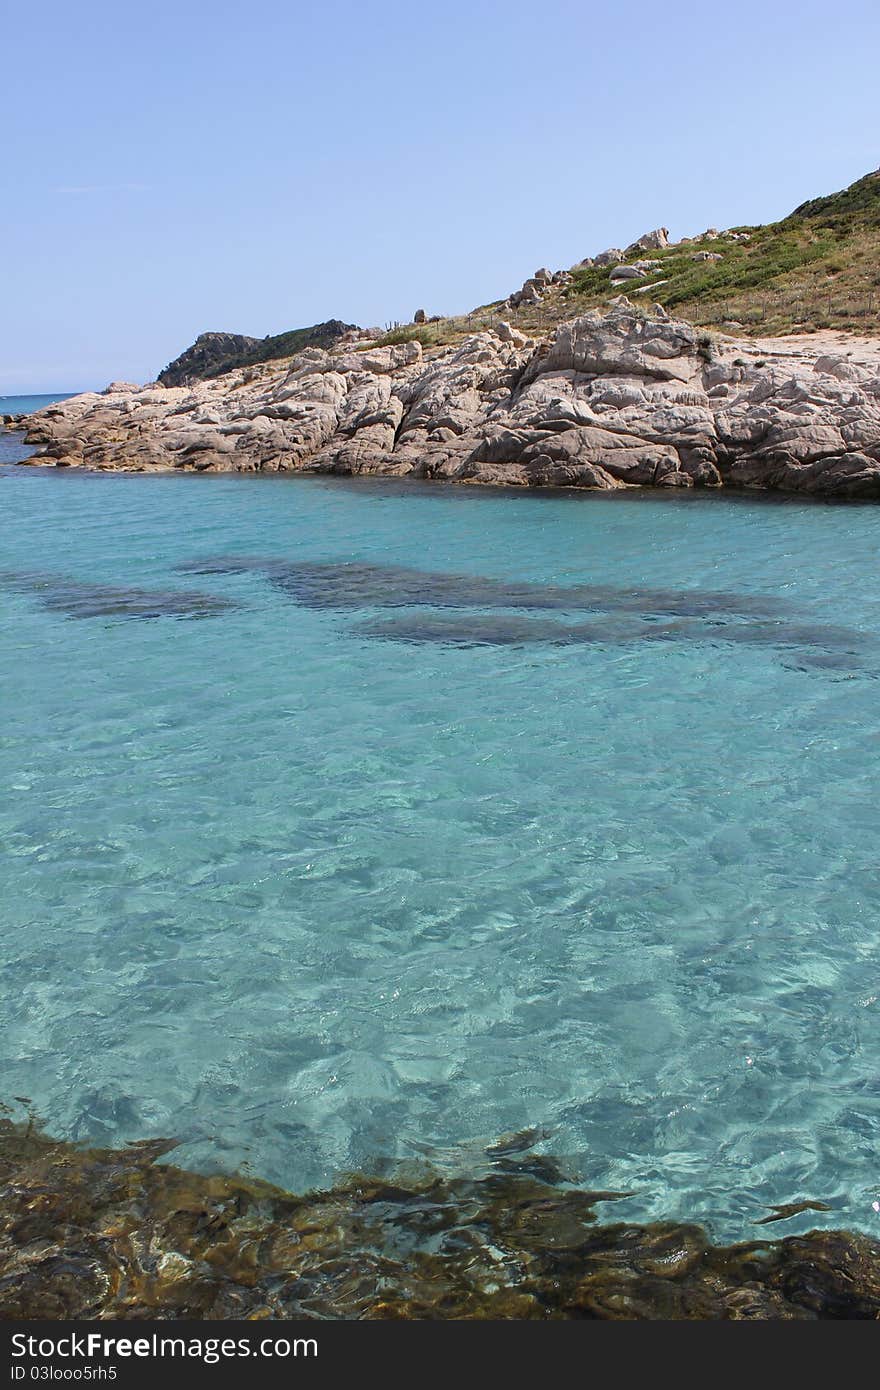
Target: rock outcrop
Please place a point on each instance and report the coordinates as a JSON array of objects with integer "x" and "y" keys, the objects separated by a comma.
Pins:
[
  {"x": 532, "y": 290},
  {"x": 606, "y": 401},
  {"x": 650, "y": 241},
  {"x": 212, "y": 354},
  {"x": 610, "y": 257},
  {"x": 209, "y": 353},
  {"x": 637, "y": 271}
]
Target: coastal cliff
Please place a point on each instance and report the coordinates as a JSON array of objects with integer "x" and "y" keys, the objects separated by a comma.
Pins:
[
  {"x": 607, "y": 400},
  {"x": 212, "y": 354}
]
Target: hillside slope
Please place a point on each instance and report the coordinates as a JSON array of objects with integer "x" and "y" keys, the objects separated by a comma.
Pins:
[
  {"x": 818, "y": 268},
  {"x": 212, "y": 354}
]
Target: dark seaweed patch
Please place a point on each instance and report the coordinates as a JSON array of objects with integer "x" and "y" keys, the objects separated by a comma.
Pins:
[
  {"x": 76, "y": 599},
  {"x": 808, "y": 635},
  {"x": 227, "y": 564},
  {"x": 503, "y": 630},
  {"x": 828, "y": 661},
  {"x": 702, "y": 615},
  {"x": 374, "y": 586},
  {"x": 832, "y": 648},
  {"x": 352, "y": 585}
]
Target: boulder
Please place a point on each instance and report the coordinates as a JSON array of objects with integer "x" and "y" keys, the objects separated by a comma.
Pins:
[
  {"x": 532, "y": 290},
  {"x": 650, "y": 241},
  {"x": 508, "y": 334},
  {"x": 611, "y": 257},
  {"x": 838, "y": 367}
]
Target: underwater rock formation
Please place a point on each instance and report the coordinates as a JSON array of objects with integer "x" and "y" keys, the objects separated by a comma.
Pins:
[
  {"x": 113, "y": 1234},
  {"x": 628, "y": 614},
  {"x": 76, "y": 598}
]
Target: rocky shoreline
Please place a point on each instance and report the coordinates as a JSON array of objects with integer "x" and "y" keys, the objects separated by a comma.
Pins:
[
  {"x": 625, "y": 398},
  {"x": 101, "y": 1233}
]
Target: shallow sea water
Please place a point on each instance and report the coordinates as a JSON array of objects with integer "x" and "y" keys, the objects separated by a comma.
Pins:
[{"x": 350, "y": 821}]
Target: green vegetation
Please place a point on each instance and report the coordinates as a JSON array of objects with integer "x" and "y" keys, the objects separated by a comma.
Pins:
[
  {"x": 846, "y": 211},
  {"x": 405, "y": 333},
  {"x": 322, "y": 335},
  {"x": 214, "y": 354},
  {"x": 817, "y": 268},
  {"x": 706, "y": 347}
]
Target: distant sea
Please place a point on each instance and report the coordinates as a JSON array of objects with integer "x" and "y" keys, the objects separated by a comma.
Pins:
[
  {"x": 12, "y": 448},
  {"x": 23, "y": 405}
]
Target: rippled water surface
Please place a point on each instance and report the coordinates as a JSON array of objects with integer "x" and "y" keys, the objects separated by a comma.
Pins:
[{"x": 350, "y": 821}]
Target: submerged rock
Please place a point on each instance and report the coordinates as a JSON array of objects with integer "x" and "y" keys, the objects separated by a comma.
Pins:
[
  {"x": 353, "y": 584},
  {"x": 75, "y": 598},
  {"x": 107, "y": 1233},
  {"x": 608, "y": 400}
]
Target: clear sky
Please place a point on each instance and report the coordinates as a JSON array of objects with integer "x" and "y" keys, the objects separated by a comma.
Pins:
[{"x": 175, "y": 167}]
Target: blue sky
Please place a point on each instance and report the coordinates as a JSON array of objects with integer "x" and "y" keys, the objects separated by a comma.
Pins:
[{"x": 170, "y": 168}]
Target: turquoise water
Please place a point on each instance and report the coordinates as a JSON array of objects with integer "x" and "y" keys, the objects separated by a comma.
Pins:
[
  {"x": 23, "y": 405},
  {"x": 347, "y": 821}
]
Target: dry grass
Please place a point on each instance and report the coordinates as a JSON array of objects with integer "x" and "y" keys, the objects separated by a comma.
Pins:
[{"x": 818, "y": 268}]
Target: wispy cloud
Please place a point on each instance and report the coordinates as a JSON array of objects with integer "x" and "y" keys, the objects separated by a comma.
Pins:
[{"x": 77, "y": 188}]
